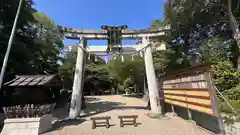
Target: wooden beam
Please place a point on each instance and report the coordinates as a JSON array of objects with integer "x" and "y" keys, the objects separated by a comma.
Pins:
[
  {"x": 77, "y": 36},
  {"x": 104, "y": 32},
  {"x": 190, "y": 106},
  {"x": 190, "y": 99},
  {"x": 186, "y": 92},
  {"x": 72, "y": 33}
]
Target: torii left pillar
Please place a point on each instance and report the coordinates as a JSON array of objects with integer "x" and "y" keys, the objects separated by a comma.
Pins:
[{"x": 77, "y": 91}]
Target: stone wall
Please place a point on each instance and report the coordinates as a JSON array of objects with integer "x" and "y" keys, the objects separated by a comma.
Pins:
[
  {"x": 233, "y": 129},
  {"x": 27, "y": 126}
]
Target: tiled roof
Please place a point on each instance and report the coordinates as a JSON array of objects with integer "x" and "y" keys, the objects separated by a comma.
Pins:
[{"x": 30, "y": 80}]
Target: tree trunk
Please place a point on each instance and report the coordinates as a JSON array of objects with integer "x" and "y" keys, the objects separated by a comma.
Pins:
[
  {"x": 136, "y": 86},
  {"x": 238, "y": 57},
  {"x": 234, "y": 27}
]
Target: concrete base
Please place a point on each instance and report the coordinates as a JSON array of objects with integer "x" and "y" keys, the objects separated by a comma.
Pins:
[
  {"x": 82, "y": 113},
  {"x": 192, "y": 122},
  {"x": 170, "y": 114},
  {"x": 157, "y": 116},
  {"x": 27, "y": 126},
  {"x": 173, "y": 114}
]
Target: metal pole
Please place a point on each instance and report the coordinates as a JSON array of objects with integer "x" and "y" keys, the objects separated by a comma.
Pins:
[{"x": 4, "y": 65}]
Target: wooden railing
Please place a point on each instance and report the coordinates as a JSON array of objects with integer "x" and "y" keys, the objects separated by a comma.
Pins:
[{"x": 190, "y": 92}]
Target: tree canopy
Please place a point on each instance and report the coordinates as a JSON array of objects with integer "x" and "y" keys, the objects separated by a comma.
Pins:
[{"x": 37, "y": 42}]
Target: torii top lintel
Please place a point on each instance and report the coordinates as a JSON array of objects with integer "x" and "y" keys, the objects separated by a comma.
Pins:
[{"x": 71, "y": 33}]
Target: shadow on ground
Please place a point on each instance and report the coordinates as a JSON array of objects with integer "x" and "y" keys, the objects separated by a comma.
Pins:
[
  {"x": 131, "y": 107},
  {"x": 134, "y": 95},
  {"x": 105, "y": 106},
  {"x": 91, "y": 99},
  {"x": 60, "y": 113},
  {"x": 58, "y": 125},
  {"x": 99, "y": 107},
  {"x": 92, "y": 108}
]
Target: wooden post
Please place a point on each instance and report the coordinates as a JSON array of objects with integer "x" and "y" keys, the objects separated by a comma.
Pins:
[
  {"x": 93, "y": 124},
  {"x": 189, "y": 112},
  {"x": 214, "y": 102},
  {"x": 173, "y": 110},
  {"x": 189, "y": 115}
]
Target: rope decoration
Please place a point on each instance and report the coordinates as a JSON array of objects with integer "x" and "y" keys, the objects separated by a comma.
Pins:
[
  {"x": 113, "y": 53},
  {"x": 140, "y": 51}
]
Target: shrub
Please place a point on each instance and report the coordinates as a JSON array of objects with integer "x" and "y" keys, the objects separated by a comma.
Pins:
[{"x": 225, "y": 76}]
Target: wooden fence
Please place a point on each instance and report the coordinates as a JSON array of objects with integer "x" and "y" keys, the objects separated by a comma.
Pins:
[
  {"x": 190, "y": 93},
  {"x": 28, "y": 111}
]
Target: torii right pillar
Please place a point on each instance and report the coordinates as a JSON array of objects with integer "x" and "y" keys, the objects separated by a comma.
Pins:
[{"x": 156, "y": 107}]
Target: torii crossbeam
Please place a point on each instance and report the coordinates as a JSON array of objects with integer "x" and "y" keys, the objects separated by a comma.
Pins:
[{"x": 72, "y": 33}]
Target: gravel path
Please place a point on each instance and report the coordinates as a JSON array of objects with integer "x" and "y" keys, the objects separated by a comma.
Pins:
[{"x": 119, "y": 105}]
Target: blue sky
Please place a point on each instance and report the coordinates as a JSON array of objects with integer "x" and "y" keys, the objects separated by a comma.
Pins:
[{"x": 91, "y": 14}]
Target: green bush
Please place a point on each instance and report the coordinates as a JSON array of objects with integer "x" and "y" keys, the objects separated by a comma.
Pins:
[
  {"x": 233, "y": 96},
  {"x": 224, "y": 75},
  {"x": 226, "y": 79},
  {"x": 227, "y": 110},
  {"x": 233, "y": 93},
  {"x": 121, "y": 88}
]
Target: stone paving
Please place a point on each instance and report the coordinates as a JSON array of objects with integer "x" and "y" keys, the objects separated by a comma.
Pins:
[{"x": 119, "y": 105}]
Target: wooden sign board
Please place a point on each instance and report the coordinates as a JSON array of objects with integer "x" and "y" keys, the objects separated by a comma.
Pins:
[{"x": 191, "y": 88}]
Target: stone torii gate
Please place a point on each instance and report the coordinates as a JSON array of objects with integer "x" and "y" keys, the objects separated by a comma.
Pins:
[{"x": 145, "y": 35}]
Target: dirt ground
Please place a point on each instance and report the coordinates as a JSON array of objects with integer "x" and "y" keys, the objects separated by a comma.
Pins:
[{"x": 120, "y": 105}]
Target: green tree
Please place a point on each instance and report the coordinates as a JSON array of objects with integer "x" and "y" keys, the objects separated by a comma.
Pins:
[
  {"x": 37, "y": 42},
  {"x": 232, "y": 9},
  {"x": 170, "y": 59},
  {"x": 66, "y": 70},
  {"x": 127, "y": 68},
  {"x": 50, "y": 41},
  {"x": 189, "y": 29},
  {"x": 157, "y": 24},
  {"x": 96, "y": 77},
  {"x": 122, "y": 70},
  {"x": 214, "y": 49},
  {"x": 21, "y": 52},
  {"x": 225, "y": 76}
]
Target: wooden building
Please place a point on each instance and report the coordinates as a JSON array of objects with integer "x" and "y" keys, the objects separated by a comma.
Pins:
[{"x": 31, "y": 89}]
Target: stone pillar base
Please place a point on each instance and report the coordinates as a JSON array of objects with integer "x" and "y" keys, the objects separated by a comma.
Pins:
[
  {"x": 82, "y": 113},
  {"x": 27, "y": 126},
  {"x": 192, "y": 121},
  {"x": 156, "y": 116},
  {"x": 173, "y": 114}
]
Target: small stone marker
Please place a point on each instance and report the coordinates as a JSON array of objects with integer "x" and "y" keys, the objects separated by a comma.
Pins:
[
  {"x": 128, "y": 120},
  {"x": 104, "y": 121}
]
